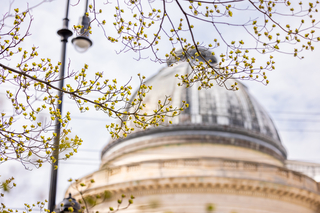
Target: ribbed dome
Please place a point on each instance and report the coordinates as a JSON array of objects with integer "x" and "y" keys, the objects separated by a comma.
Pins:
[
  {"x": 214, "y": 106},
  {"x": 214, "y": 111}
]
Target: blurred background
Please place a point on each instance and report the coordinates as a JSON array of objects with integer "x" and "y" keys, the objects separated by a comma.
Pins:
[{"x": 292, "y": 99}]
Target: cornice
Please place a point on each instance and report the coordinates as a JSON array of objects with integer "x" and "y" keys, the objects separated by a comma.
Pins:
[
  {"x": 165, "y": 139},
  {"x": 216, "y": 185},
  {"x": 199, "y": 127}
]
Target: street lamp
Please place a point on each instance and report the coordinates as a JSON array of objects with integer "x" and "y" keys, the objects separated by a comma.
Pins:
[
  {"x": 68, "y": 205},
  {"x": 82, "y": 43}
]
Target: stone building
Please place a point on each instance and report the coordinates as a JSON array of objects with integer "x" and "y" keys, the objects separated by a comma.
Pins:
[{"x": 223, "y": 154}]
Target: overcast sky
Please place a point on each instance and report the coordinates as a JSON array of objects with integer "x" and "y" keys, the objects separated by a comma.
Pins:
[{"x": 292, "y": 99}]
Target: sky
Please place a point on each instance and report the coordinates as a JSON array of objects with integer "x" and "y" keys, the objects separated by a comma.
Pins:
[{"x": 292, "y": 99}]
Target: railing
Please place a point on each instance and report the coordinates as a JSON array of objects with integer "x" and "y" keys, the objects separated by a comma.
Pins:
[{"x": 310, "y": 169}]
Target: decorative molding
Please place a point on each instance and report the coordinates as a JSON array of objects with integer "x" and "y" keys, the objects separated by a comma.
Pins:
[
  {"x": 216, "y": 185},
  {"x": 210, "y": 166}
]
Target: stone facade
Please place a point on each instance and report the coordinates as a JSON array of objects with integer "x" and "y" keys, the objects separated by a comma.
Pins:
[{"x": 189, "y": 184}]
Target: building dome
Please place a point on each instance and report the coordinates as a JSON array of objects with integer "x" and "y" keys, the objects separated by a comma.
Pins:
[
  {"x": 216, "y": 106},
  {"x": 215, "y": 112}
]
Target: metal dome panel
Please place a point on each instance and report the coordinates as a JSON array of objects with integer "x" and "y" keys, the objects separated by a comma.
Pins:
[{"x": 214, "y": 106}]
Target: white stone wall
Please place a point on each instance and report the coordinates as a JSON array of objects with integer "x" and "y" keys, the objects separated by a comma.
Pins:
[{"x": 195, "y": 150}]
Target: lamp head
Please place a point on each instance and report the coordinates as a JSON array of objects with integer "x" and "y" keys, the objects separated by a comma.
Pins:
[
  {"x": 82, "y": 42},
  {"x": 68, "y": 205}
]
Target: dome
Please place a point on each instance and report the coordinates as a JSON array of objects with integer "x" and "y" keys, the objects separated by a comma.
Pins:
[
  {"x": 216, "y": 106},
  {"x": 214, "y": 112}
]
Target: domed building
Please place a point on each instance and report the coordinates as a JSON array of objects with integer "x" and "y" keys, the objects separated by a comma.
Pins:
[{"x": 222, "y": 154}]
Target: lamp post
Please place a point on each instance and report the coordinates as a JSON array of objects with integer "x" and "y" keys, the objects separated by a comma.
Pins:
[{"x": 82, "y": 43}]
